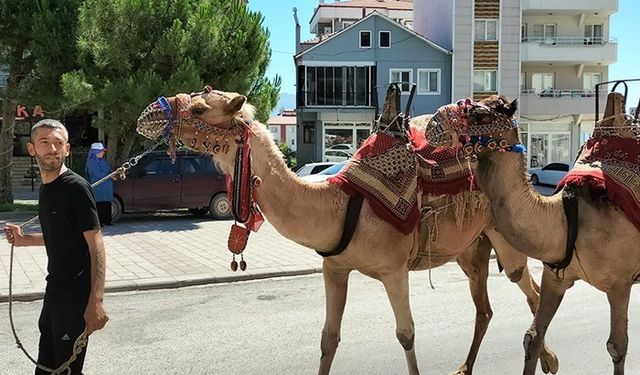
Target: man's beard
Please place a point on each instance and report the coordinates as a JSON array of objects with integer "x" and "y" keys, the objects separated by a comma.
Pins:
[{"x": 52, "y": 165}]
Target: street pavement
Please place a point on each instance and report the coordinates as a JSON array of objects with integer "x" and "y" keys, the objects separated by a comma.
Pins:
[{"x": 163, "y": 250}]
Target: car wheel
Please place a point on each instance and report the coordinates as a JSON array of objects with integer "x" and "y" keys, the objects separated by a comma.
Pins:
[
  {"x": 534, "y": 179},
  {"x": 219, "y": 207},
  {"x": 198, "y": 211},
  {"x": 116, "y": 209}
]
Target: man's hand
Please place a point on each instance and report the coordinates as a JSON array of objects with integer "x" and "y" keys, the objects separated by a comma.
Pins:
[
  {"x": 95, "y": 317},
  {"x": 14, "y": 235}
]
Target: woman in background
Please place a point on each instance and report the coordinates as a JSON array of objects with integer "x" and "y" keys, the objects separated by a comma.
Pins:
[{"x": 97, "y": 168}]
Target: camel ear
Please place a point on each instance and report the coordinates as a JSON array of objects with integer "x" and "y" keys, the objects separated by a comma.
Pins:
[
  {"x": 513, "y": 107},
  {"x": 236, "y": 104}
]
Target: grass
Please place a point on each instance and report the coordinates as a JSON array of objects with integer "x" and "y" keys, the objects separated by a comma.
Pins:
[{"x": 18, "y": 207}]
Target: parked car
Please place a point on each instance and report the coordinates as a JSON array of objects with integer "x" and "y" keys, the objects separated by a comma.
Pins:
[
  {"x": 155, "y": 183},
  {"x": 324, "y": 175},
  {"x": 550, "y": 174},
  {"x": 313, "y": 168},
  {"x": 344, "y": 147},
  {"x": 336, "y": 155}
]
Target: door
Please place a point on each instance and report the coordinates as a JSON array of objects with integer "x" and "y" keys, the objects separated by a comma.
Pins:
[
  {"x": 157, "y": 185},
  {"x": 543, "y": 83},
  {"x": 200, "y": 181}
]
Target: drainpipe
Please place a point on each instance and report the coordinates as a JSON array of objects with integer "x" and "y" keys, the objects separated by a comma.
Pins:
[{"x": 295, "y": 17}]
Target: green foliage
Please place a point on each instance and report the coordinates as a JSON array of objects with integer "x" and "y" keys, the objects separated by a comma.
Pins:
[
  {"x": 18, "y": 207},
  {"x": 132, "y": 51},
  {"x": 289, "y": 155},
  {"x": 264, "y": 96}
]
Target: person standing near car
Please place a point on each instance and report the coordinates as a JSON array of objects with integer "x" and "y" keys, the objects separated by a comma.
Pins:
[
  {"x": 97, "y": 168},
  {"x": 73, "y": 299}
]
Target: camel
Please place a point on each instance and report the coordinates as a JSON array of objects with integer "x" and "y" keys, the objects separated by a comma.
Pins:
[
  {"x": 218, "y": 123},
  {"x": 606, "y": 252}
]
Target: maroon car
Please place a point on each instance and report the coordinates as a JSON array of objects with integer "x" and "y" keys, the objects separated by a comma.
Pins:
[{"x": 155, "y": 183}]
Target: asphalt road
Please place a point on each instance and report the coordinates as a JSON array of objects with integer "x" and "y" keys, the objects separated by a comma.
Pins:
[{"x": 273, "y": 326}]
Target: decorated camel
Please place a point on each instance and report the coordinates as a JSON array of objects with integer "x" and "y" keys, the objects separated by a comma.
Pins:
[
  {"x": 425, "y": 230},
  {"x": 589, "y": 231}
]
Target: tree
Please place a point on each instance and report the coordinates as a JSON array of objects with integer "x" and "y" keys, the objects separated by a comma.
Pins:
[
  {"x": 37, "y": 44},
  {"x": 132, "y": 51}
]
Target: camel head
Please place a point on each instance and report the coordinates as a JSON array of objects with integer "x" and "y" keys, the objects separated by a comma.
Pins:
[
  {"x": 210, "y": 122},
  {"x": 478, "y": 127}
]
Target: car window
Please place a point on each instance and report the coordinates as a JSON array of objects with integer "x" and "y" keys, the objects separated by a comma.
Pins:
[
  {"x": 564, "y": 167},
  {"x": 319, "y": 168},
  {"x": 198, "y": 165},
  {"x": 159, "y": 167}
]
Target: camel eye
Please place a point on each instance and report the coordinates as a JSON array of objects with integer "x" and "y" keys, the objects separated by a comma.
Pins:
[{"x": 199, "y": 111}]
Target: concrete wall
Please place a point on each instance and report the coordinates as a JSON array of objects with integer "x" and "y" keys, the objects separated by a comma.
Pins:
[
  {"x": 463, "y": 49},
  {"x": 509, "y": 48}
]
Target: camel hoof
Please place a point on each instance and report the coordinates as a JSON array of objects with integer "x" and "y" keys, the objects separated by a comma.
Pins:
[
  {"x": 462, "y": 371},
  {"x": 549, "y": 363}
]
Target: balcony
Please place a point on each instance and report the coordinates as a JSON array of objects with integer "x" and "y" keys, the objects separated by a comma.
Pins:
[
  {"x": 569, "y": 7},
  {"x": 559, "y": 102},
  {"x": 569, "y": 50}
]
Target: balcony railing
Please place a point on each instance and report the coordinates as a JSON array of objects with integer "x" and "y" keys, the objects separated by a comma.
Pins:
[
  {"x": 335, "y": 98},
  {"x": 560, "y": 93},
  {"x": 569, "y": 41}
]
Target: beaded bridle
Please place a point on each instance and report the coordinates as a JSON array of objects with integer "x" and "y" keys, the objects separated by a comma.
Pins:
[
  {"x": 478, "y": 127},
  {"x": 161, "y": 118}
]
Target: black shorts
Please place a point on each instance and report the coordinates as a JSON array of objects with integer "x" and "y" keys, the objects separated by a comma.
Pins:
[{"x": 61, "y": 322}]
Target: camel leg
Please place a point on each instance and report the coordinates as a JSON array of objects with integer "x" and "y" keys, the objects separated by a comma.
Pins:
[
  {"x": 474, "y": 261},
  {"x": 551, "y": 294},
  {"x": 335, "y": 286},
  {"x": 515, "y": 267},
  {"x": 397, "y": 287},
  {"x": 618, "y": 339}
]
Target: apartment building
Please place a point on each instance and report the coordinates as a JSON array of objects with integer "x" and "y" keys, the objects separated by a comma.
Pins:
[
  {"x": 549, "y": 53},
  {"x": 342, "y": 75}
]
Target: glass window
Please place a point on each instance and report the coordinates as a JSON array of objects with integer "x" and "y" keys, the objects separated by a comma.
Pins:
[
  {"x": 159, "y": 167},
  {"x": 590, "y": 80},
  {"x": 541, "y": 82},
  {"x": 538, "y": 149},
  {"x": 385, "y": 39},
  {"x": 484, "y": 80},
  {"x": 402, "y": 76},
  {"x": 486, "y": 30},
  {"x": 559, "y": 148},
  {"x": 365, "y": 39},
  {"x": 428, "y": 81}
]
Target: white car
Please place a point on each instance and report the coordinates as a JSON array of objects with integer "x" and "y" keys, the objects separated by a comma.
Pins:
[
  {"x": 336, "y": 155},
  {"x": 324, "y": 175},
  {"x": 550, "y": 174},
  {"x": 313, "y": 168},
  {"x": 344, "y": 147}
]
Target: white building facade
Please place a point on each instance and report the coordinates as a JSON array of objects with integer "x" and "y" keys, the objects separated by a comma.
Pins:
[{"x": 548, "y": 53}]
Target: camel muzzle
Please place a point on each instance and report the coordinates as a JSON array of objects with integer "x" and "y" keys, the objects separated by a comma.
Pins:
[{"x": 156, "y": 120}]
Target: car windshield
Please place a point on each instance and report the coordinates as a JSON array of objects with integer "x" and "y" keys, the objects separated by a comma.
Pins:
[{"x": 334, "y": 169}]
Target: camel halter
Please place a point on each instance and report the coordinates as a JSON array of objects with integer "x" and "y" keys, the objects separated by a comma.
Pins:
[
  {"x": 160, "y": 117},
  {"x": 475, "y": 133}
]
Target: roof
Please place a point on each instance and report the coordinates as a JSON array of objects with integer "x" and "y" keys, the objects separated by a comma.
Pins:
[
  {"x": 385, "y": 4},
  {"x": 286, "y": 118},
  {"x": 374, "y": 14}
]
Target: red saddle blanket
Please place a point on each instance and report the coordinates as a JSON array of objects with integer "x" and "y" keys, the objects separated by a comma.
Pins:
[
  {"x": 611, "y": 164},
  {"x": 388, "y": 173}
]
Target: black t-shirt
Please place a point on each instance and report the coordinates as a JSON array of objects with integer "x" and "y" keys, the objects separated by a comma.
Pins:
[{"x": 67, "y": 208}]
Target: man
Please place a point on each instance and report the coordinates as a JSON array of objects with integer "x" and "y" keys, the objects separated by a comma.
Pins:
[{"x": 75, "y": 250}]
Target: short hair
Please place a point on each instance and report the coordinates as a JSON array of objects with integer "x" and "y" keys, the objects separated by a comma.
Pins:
[{"x": 48, "y": 124}]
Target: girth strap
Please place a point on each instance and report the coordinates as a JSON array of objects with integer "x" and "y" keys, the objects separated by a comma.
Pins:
[
  {"x": 350, "y": 224},
  {"x": 570, "y": 205}
]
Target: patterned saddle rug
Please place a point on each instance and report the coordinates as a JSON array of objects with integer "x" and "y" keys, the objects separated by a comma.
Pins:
[
  {"x": 612, "y": 165},
  {"x": 389, "y": 172}
]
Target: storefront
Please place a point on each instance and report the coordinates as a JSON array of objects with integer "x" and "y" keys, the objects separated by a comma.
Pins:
[
  {"x": 342, "y": 139},
  {"x": 546, "y": 143}
]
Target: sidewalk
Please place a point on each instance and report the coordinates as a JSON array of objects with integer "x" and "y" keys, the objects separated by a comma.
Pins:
[{"x": 163, "y": 251}]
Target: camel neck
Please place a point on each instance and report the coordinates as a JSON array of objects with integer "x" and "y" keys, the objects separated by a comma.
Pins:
[
  {"x": 522, "y": 215},
  {"x": 307, "y": 213}
]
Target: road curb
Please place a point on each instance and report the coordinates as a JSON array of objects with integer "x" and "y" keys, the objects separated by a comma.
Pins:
[{"x": 142, "y": 285}]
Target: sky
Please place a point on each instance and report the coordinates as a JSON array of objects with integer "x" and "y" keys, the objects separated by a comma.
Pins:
[{"x": 625, "y": 27}]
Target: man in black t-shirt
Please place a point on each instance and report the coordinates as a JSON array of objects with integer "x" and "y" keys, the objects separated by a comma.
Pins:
[{"x": 75, "y": 250}]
